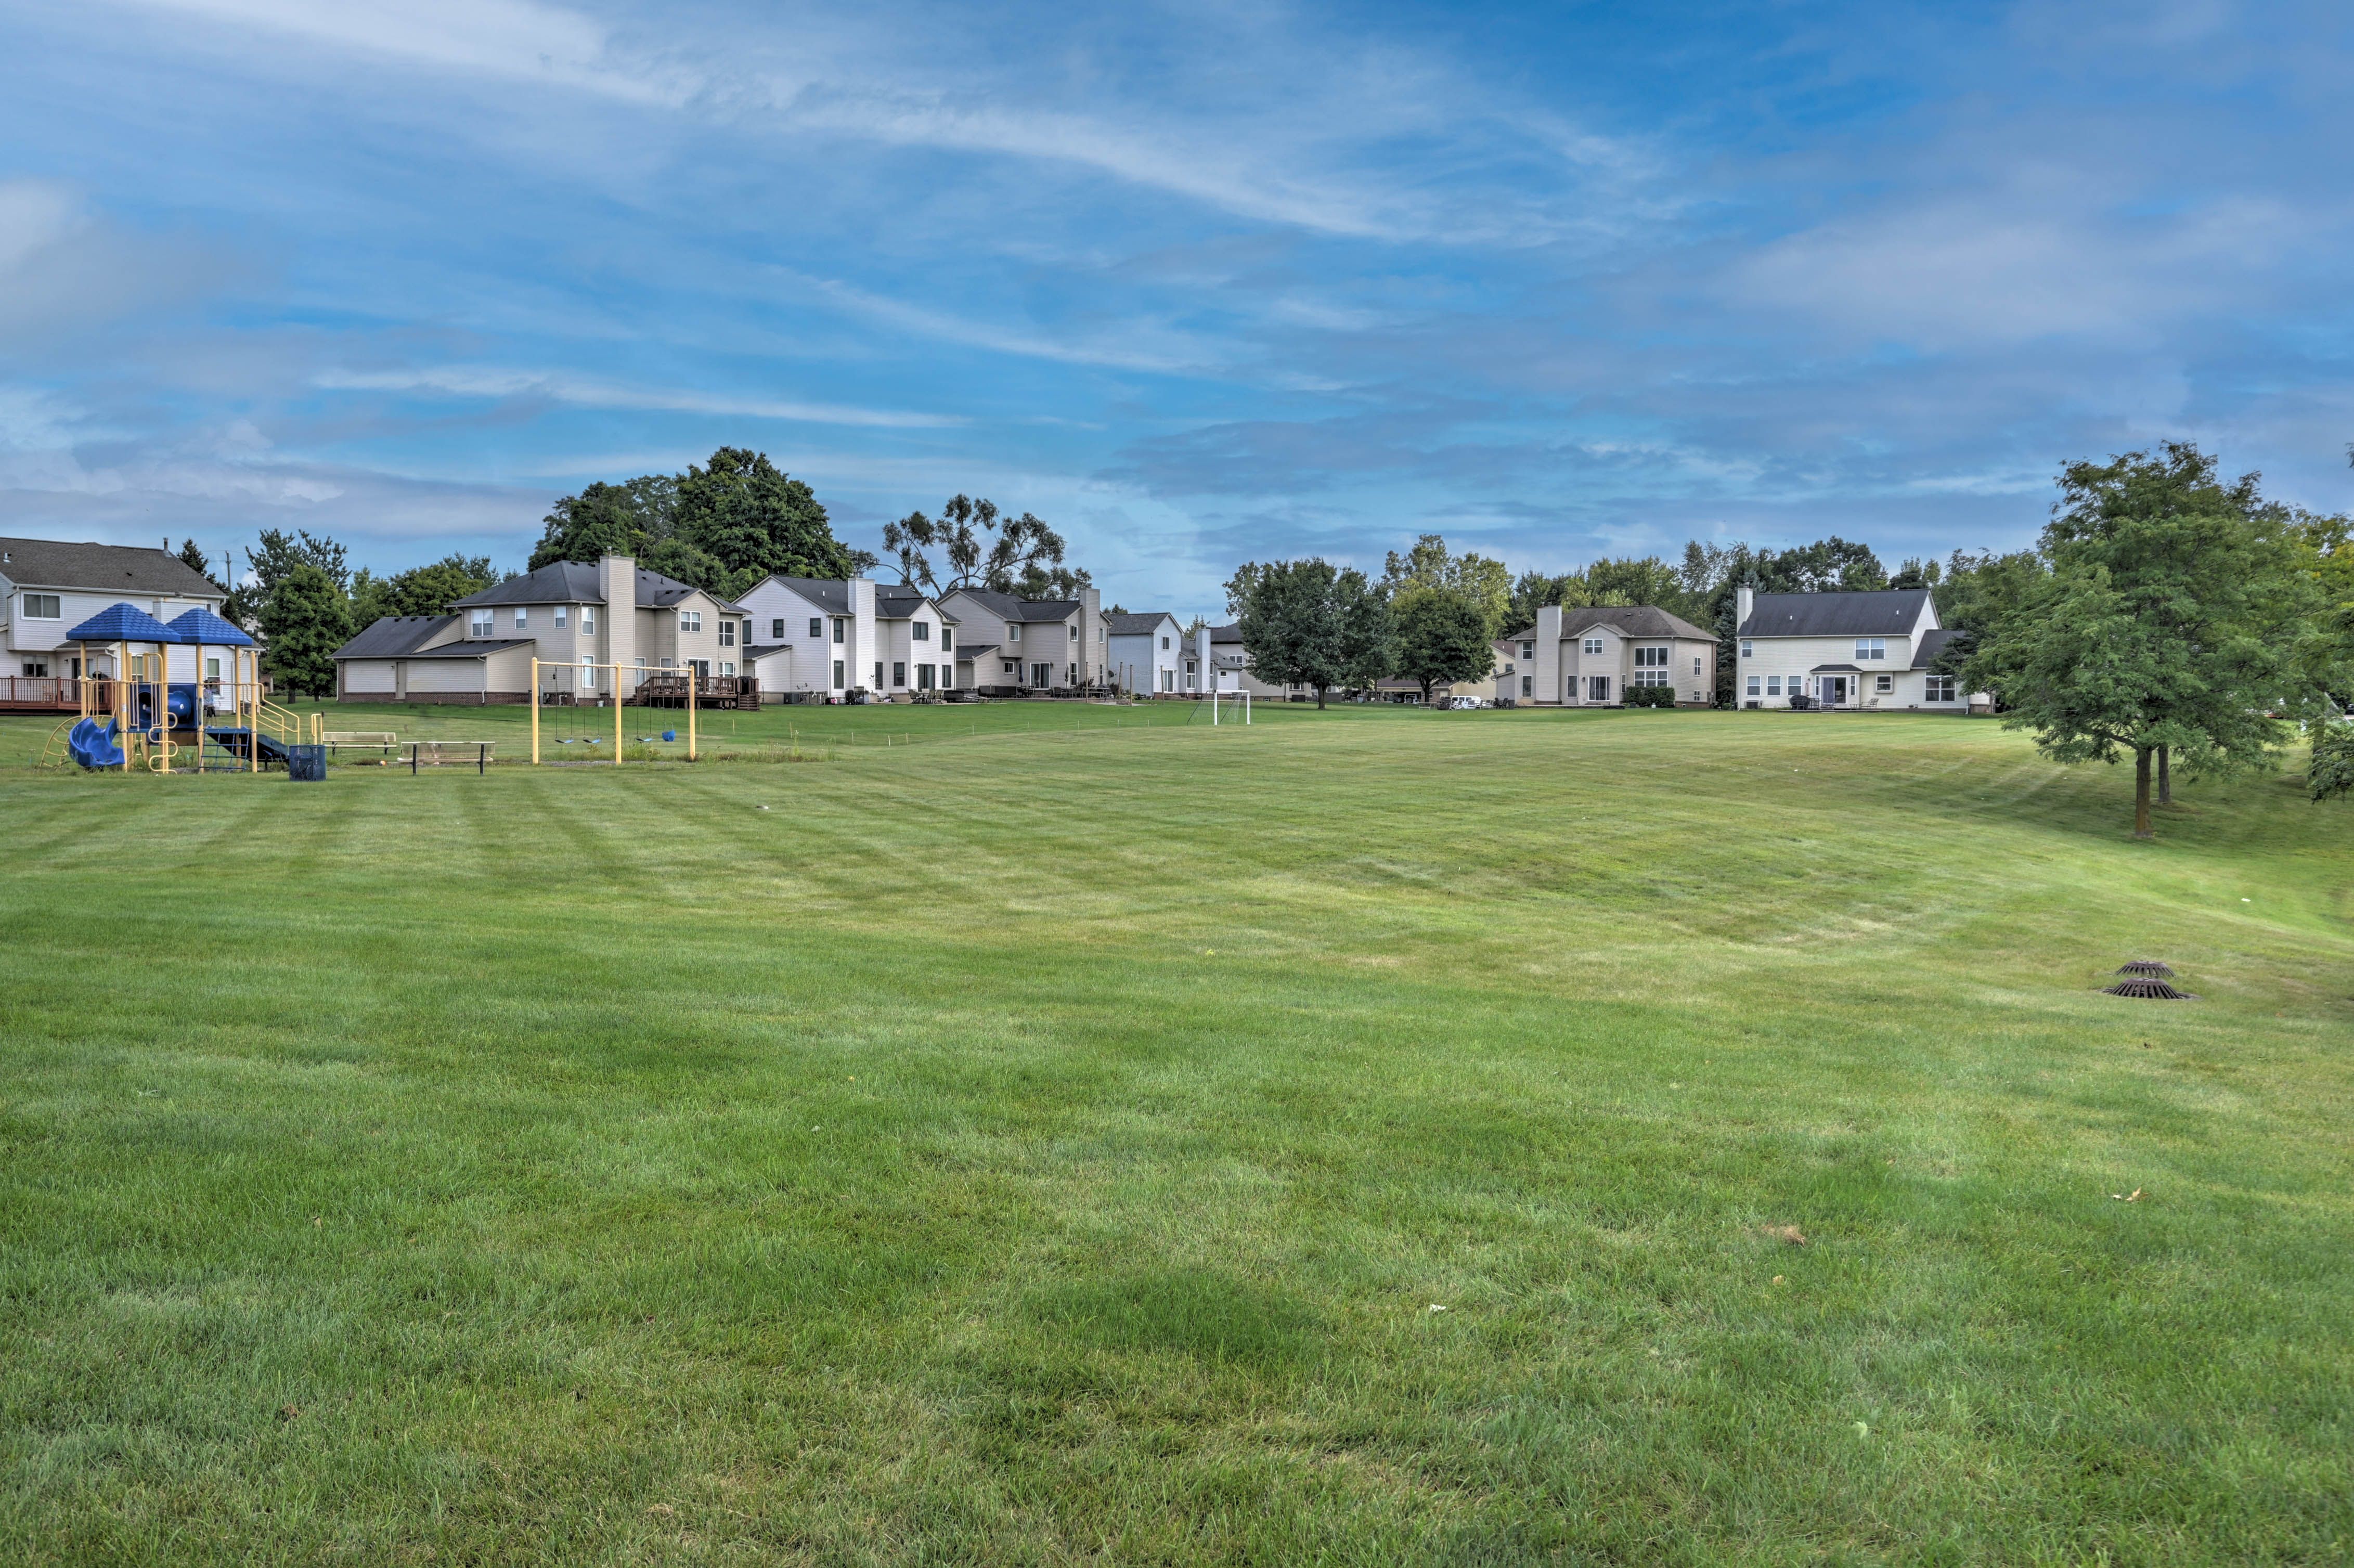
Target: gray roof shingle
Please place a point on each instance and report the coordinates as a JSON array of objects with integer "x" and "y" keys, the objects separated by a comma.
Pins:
[
  {"x": 1005, "y": 607},
  {"x": 1627, "y": 619},
  {"x": 102, "y": 568},
  {"x": 1137, "y": 625},
  {"x": 576, "y": 582},
  {"x": 394, "y": 636},
  {"x": 1931, "y": 644},
  {"x": 1887, "y": 612}
]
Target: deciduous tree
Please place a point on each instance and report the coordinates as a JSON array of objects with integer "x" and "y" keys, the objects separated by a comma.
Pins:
[
  {"x": 978, "y": 549},
  {"x": 2174, "y": 615},
  {"x": 1441, "y": 637},
  {"x": 1308, "y": 623}
]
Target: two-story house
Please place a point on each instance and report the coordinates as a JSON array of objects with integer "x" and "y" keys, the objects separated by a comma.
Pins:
[
  {"x": 577, "y": 618},
  {"x": 1589, "y": 657},
  {"x": 1148, "y": 653},
  {"x": 823, "y": 638},
  {"x": 1009, "y": 645},
  {"x": 1864, "y": 650},
  {"x": 47, "y": 586}
]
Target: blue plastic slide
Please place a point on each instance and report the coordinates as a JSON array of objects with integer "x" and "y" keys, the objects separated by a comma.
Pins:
[{"x": 94, "y": 744}]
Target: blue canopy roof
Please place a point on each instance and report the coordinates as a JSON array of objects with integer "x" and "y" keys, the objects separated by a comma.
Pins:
[
  {"x": 122, "y": 623},
  {"x": 201, "y": 625}
]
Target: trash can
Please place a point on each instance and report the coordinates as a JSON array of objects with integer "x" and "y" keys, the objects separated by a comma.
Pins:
[{"x": 306, "y": 764}]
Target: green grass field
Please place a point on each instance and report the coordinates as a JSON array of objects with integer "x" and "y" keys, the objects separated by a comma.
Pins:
[{"x": 1050, "y": 1136}]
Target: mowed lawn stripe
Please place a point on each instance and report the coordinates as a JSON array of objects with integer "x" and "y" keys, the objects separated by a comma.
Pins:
[{"x": 1025, "y": 1147}]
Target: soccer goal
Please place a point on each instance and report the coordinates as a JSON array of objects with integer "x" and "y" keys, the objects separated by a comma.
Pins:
[{"x": 1230, "y": 699}]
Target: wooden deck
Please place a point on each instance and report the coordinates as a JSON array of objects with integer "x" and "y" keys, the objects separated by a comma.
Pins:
[{"x": 49, "y": 693}]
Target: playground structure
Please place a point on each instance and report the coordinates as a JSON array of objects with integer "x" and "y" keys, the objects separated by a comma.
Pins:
[
  {"x": 145, "y": 715},
  {"x": 564, "y": 690}
]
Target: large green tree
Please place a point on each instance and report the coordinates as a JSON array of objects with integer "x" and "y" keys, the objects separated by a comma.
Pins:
[
  {"x": 2175, "y": 615},
  {"x": 1486, "y": 581},
  {"x": 754, "y": 519},
  {"x": 625, "y": 519},
  {"x": 428, "y": 590},
  {"x": 1441, "y": 636},
  {"x": 1309, "y": 623}
]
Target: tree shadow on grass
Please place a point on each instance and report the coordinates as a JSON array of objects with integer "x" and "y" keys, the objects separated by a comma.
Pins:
[{"x": 1198, "y": 1312}]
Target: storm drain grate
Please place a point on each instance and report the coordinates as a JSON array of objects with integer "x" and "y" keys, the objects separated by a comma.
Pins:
[
  {"x": 2150, "y": 987},
  {"x": 2146, "y": 967}
]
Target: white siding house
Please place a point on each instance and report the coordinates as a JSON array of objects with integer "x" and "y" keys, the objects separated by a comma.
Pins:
[
  {"x": 827, "y": 637},
  {"x": 1148, "y": 653},
  {"x": 1862, "y": 651}
]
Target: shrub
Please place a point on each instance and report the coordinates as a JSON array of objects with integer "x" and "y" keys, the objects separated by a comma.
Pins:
[{"x": 1650, "y": 696}]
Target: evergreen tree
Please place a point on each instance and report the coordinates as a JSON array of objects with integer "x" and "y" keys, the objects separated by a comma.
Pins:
[
  {"x": 304, "y": 618},
  {"x": 197, "y": 562}
]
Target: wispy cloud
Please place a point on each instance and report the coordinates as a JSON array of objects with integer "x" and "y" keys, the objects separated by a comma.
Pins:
[{"x": 491, "y": 383}]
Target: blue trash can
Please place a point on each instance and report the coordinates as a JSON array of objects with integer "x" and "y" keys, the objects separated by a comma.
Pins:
[{"x": 306, "y": 764}]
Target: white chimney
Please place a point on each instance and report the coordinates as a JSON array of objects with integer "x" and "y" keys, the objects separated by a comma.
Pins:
[
  {"x": 617, "y": 579},
  {"x": 1743, "y": 600}
]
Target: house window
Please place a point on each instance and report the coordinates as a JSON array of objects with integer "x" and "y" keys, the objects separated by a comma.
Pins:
[
  {"x": 1774, "y": 685},
  {"x": 1164, "y": 644},
  {"x": 1871, "y": 648},
  {"x": 923, "y": 677},
  {"x": 1008, "y": 666},
  {"x": 1650, "y": 677},
  {"x": 899, "y": 674},
  {"x": 817, "y": 627},
  {"x": 1597, "y": 688},
  {"x": 587, "y": 618},
  {"x": 1594, "y": 645},
  {"x": 1074, "y": 633},
  {"x": 1528, "y": 686},
  {"x": 478, "y": 624},
  {"x": 726, "y": 666},
  {"x": 642, "y": 664},
  {"x": 691, "y": 620},
  {"x": 43, "y": 606},
  {"x": 839, "y": 626},
  {"x": 666, "y": 665},
  {"x": 1013, "y": 634},
  {"x": 1528, "y": 650},
  {"x": 1650, "y": 659},
  {"x": 561, "y": 611},
  {"x": 212, "y": 670},
  {"x": 921, "y": 632},
  {"x": 837, "y": 674},
  {"x": 777, "y": 629},
  {"x": 1883, "y": 682},
  {"x": 1938, "y": 689},
  {"x": 39, "y": 667},
  {"x": 1748, "y": 649},
  {"x": 522, "y": 620},
  {"x": 1756, "y": 687},
  {"x": 727, "y": 634},
  {"x": 1168, "y": 680},
  {"x": 1695, "y": 663},
  {"x": 878, "y": 675}
]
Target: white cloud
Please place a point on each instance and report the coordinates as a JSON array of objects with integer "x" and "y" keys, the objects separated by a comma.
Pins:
[{"x": 493, "y": 383}]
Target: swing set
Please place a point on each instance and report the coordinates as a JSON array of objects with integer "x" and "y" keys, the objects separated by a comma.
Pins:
[{"x": 573, "y": 686}]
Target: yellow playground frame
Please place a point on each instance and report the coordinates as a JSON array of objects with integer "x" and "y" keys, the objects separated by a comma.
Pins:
[{"x": 536, "y": 665}]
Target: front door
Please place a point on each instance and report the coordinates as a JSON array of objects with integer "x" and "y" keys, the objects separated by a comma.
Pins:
[{"x": 1597, "y": 688}]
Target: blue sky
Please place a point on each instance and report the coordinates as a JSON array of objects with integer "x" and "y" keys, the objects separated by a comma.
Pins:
[{"x": 1196, "y": 284}]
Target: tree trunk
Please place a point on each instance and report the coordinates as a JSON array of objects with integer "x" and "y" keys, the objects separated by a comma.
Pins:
[
  {"x": 2141, "y": 792},
  {"x": 2165, "y": 777},
  {"x": 1320, "y": 699}
]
